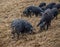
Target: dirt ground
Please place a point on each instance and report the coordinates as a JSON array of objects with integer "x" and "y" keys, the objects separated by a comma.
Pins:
[{"x": 12, "y": 9}]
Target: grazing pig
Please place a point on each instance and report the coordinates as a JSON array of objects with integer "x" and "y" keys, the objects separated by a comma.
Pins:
[
  {"x": 21, "y": 26},
  {"x": 47, "y": 16},
  {"x": 50, "y": 5},
  {"x": 42, "y": 4},
  {"x": 33, "y": 10}
]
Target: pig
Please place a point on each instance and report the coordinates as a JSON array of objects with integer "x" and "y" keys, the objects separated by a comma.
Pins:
[
  {"x": 20, "y": 26},
  {"x": 50, "y": 5},
  {"x": 33, "y": 10},
  {"x": 42, "y": 4},
  {"x": 46, "y": 19}
]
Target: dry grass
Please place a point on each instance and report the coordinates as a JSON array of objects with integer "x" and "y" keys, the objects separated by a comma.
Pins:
[{"x": 12, "y": 9}]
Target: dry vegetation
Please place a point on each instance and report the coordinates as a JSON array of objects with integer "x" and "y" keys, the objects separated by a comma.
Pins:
[{"x": 12, "y": 9}]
